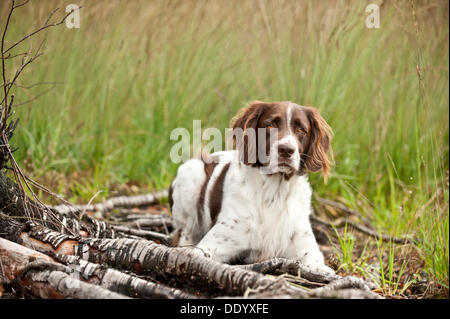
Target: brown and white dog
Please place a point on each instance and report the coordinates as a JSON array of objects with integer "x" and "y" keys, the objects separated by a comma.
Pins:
[{"x": 235, "y": 209}]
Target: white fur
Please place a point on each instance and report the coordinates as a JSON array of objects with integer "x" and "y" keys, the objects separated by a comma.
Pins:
[
  {"x": 274, "y": 166},
  {"x": 263, "y": 216},
  {"x": 289, "y": 115}
]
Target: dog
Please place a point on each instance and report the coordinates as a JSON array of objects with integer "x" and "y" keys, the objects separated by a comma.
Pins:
[{"x": 234, "y": 208}]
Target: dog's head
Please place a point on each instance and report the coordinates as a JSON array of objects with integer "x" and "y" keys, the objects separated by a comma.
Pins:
[{"x": 282, "y": 137}]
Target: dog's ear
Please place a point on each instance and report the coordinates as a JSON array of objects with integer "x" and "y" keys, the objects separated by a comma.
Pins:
[
  {"x": 247, "y": 120},
  {"x": 319, "y": 143}
]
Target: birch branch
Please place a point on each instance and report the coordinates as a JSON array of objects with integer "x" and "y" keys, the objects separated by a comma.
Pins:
[
  {"x": 157, "y": 261},
  {"x": 142, "y": 221},
  {"x": 184, "y": 266},
  {"x": 45, "y": 274},
  {"x": 114, "y": 202},
  {"x": 40, "y": 276},
  {"x": 293, "y": 267},
  {"x": 147, "y": 234},
  {"x": 120, "y": 282},
  {"x": 47, "y": 281}
]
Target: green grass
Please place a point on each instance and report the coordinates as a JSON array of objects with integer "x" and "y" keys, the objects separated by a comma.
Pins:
[
  {"x": 345, "y": 251},
  {"x": 389, "y": 280},
  {"x": 135, "y": 71}
]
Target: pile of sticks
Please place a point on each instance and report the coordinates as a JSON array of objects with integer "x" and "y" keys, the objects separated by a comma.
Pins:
[{"x": 127, "y": 253}]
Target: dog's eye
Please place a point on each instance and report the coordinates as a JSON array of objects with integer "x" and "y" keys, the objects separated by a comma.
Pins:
[{"x": 300, "y": 130}]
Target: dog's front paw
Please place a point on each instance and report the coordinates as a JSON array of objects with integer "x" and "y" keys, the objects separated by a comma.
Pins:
[
  {"x": 321, "y": 267},
  {"x": 327, "y": 269},
  {"x": 205, "y": 252}
]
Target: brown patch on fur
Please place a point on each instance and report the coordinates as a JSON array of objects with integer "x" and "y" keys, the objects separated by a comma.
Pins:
[
  {"x": 319, "y": 143},
  {"x": 209, "y": 168},
  {"x": 171, "y": 196},
  {"x": 246, "y": 118},
  {"x": 216, "y": 195},
  {"x": 293, "y": 237},
  {"x": 175, "y": 238}
]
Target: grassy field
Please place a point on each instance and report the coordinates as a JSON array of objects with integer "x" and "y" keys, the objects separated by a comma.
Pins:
[{"x": 135, "y": 70}]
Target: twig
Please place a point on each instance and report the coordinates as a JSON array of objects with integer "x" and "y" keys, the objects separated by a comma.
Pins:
[
  {"x": 297, "y": 280},
  {"x": 3, "y": 270},
  {"x": 139, "y": 221},
  {"x": 50, "y": 16},
  {"x": 364, "y": 230},
  {"x": 5, "y": 108},
  {"x": 24, "y": 64},
  {"x": 46, "y": 25},
  {"x": 345, "y": 209},
  {"x": 147, "y": 234},
  {"x": 27, "y": 87},
  {"x": 9, "y": 56},
  {"x": 114, "y": 202},
  {"x": 43, "y": 188},
  {"x": 83, "y": 211}
]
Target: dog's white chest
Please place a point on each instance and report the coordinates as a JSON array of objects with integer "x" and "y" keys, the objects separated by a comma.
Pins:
[{"x": 275, "y": 215}]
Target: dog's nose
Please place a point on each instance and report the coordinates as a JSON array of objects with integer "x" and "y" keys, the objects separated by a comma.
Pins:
[{"x": 285, "y": 150}]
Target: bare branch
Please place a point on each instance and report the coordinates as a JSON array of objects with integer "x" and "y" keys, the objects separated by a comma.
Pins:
[
  {"x": 9, "y": 56},
  {"x": 345, "y": 209},
  {"x": 36, "y": 97},
  {"x": 5, "y": 98},
  {"x": 114, "y": 202},
  {"x": 31, "y": 208},
  {"x": 22, "y": 4},
  {"x": 364, "y": 230},
  {"x": 46, "y": 26},
  {"x": 50, "y": 16},
  {"x": 27, "y": 87}
]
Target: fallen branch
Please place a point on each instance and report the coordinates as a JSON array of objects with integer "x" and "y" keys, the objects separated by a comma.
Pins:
[
  {"x": 281, "y": 266},
  {"x": 71, "y": 269},
  {"x": 347, "y": 287},
  {"x": 341, "y": 223},
  {"x": 180, "y": 266},
  {"x": 145, "y": 257},
  {"x": 121, "y": 201},
  {"x": 147, "y": 234},
  {"x": 345, "y": 283},
  {"x": 345, "y": 209},
  {"x": 342, "y": 294},
  {"x": 293, "y": 267},
  {"x": 141, "y": 221},
  {"x": 40, "y": 276},
  {"x": 50, "y": 280},
  {"x": 120, "y": 282}
]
